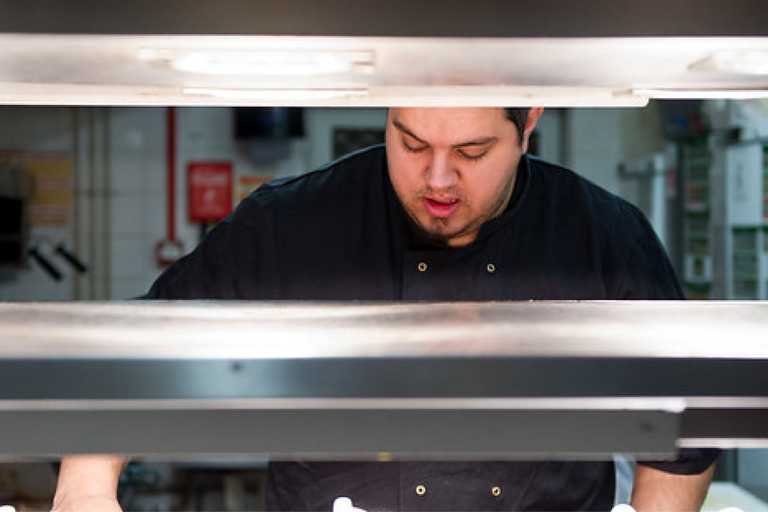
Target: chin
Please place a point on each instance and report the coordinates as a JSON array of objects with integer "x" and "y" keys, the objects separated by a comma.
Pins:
[
  {"x": 437, "y": 229},
  {"x": 441, "y": 230}
]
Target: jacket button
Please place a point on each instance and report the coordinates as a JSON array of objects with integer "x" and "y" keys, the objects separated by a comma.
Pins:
[
  {"x": 421, "y": 490},
  {"x": 422, "y": 266},
  {"x": 495, "y": 491},
  {"x": 491, "y": 268}
]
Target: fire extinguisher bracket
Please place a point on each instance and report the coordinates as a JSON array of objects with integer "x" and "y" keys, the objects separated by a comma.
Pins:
[{"x": 168, "y": 251}]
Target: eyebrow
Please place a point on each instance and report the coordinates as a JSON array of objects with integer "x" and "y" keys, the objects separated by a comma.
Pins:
[
  {"x": 482, "y": 141},
  {"x": 403, "y": 129}
]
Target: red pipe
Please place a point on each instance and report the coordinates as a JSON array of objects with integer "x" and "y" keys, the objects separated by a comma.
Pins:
[
  {"x": 171, "y": 185},
  {"x": 169, "y": 250}
]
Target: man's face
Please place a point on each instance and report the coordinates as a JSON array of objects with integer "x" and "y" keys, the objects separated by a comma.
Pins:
[{"x": 453, "y": 169}]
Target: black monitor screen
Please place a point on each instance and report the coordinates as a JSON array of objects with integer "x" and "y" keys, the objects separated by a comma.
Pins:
[
  {"x": 11, "y": 231},
  {"x": 269, "y": 122}
]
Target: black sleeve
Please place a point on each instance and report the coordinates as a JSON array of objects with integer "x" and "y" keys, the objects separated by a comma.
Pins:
[
  {"x": 641, "y": 270},
  {"x": 202, "y": 274},
  {"x": 234, "y": 261}
]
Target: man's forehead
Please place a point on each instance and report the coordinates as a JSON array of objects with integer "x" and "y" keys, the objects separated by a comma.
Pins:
[{"x": 450, "y": 125}]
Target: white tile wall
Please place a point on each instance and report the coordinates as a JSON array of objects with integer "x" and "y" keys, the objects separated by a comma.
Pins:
[
  {"x": 128, "y": 172},
  {"x": 138, "y": 183},
  {"x": 129, "y": 257},
  {"x": 32, "y": 284},
  {"x": 36, "y": 128},
  {"x": 596, "y": 149}
]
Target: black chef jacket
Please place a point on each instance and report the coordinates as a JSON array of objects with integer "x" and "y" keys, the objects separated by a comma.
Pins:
[{"x": 340, "y": 233}]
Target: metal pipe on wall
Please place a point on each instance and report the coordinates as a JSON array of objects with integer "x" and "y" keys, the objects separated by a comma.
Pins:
[
  {"x": 92, "y": 204},
  {"x": 171, "y": 169},
  {"x": 107, "y": 203},
  {"x": 76, "y": 287}
]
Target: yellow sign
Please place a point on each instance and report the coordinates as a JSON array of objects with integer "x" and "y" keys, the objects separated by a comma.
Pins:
[{"x": 51, "y": 176}]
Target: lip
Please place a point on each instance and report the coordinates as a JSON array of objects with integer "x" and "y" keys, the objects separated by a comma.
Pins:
[{"x": 441, "y": 209}]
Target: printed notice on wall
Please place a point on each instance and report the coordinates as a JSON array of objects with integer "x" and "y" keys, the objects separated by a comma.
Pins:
[{"x": 49, "y": 189}]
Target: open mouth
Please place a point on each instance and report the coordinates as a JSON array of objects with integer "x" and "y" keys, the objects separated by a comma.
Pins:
[{"x": 441, "y": 208}]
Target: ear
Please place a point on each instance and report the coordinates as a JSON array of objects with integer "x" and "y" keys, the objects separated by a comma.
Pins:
[{"x": 530, "y": 124}]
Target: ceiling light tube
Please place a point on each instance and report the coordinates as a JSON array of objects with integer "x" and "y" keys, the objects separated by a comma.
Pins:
[
  {"x": 495, "y": 96},
  {"x": 271, "y": 95},
  {"x": 263, "y": 62}
]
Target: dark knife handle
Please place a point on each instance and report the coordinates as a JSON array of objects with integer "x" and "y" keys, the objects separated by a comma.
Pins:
[
  {"x": 46, "y": 264},
  {"x": 73, "y": 260}
]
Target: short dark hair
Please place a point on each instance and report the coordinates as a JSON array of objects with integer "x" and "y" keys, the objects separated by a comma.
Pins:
[{"x": 518, "y": 116}]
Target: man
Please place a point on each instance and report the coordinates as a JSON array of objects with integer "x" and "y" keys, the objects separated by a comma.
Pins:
[{"x": 450, "y": 209}]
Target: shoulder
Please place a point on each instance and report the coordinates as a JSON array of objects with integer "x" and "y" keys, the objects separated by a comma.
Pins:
[
  {"x": 239, "y": 258},
  {"x": 570, "y": 187},
  {"x": 617, "y": 233},
  {"x": 574, "y": 196},
  {"x": 326, "y": 189}
]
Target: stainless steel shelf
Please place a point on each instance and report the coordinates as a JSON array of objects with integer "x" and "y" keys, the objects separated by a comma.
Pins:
[{"x": 412, "y": 380}]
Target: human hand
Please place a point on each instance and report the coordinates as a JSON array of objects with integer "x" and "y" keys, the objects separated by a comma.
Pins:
[{"x": 86, "y": 503}]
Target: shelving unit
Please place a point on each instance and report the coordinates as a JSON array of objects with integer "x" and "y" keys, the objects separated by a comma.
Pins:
[
  {"x": 696, "y": 164},
  {"x": 724, "y": 178},
  {"x": 747, "y": 220}
]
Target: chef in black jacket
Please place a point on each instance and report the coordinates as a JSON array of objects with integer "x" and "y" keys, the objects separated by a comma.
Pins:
[{"x": 450, "y": 209}]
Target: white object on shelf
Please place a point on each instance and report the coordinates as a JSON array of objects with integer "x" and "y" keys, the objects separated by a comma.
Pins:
[{"x": 343, "y": 504}]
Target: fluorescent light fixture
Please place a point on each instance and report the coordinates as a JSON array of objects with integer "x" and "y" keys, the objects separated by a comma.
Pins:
[
  {"x": 702, "y": 94},
  {"x": 748, "y": 62},
  {"x": 335, "y": 93},
  {"x": 291, "y": 95},
  {"x": 263, "y": 62},
  {"x": 504, "y": 95}
]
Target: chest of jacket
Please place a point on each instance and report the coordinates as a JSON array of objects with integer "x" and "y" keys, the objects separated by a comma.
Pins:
[
  {"x": 502, "y": 267},
  {"x": 443, "y": 486}
]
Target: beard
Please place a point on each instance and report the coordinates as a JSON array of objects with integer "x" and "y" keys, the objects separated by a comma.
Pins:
[
  {"x": 437, "y": 231},
  {"x": 441, "y": 231}
]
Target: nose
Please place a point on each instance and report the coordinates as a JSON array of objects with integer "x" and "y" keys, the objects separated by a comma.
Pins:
[{"x": 440, "y": 174}]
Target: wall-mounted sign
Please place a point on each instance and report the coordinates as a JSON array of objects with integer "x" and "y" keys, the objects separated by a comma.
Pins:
[
  {"x": 50, "y": 178},
  {"x": 209, "y": 191}
]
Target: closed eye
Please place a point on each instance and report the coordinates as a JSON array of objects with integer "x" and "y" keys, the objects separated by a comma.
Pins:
[
  {"x": 470, "y": 154},
  {"x": 413, "y": 148}
]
